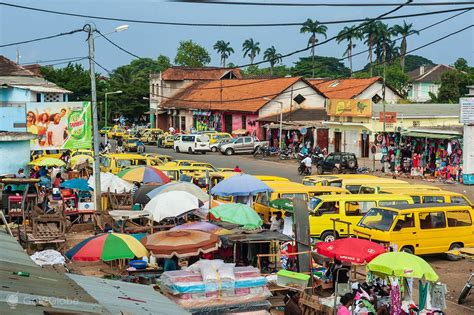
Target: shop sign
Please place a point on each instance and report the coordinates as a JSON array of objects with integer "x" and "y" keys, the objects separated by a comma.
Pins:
[
  {"x": 467, "y": 110},
  {"x": 201, "y": 113},
  {"x": 350, "y": 108},
  {"x": 59, "y": 125},
  {"x": 390, "y": 117}
]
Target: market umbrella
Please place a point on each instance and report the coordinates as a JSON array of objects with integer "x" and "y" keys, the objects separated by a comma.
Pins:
[
  {"x": 76, "y": 183},
  {"x": 144, "y": 174},
  {"x": 47, "y": 161},
  {"x": 167, "y": 244},
  {"x": 240, "y": 185},
  {"x": 180, "y": 186},
  {"x": 202, "y": 226},
  {"x": 284, "y": 204},
  {"x": 171, "y": 204},
  {"x": 402, "y": 264},
  {"x": 237, "y": 213},
  {"x": 80, "y": 159},
  {"x": 107, "y": 246},
  {"x": 141, "y": 196},
  {"x": 353, "y": 250},
  {"x": 109, "y": 181}
]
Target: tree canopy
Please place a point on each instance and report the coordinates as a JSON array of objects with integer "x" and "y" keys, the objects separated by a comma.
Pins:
[
  {"x": 191, "y": 54},
  {"x": 323, "y": 67}
]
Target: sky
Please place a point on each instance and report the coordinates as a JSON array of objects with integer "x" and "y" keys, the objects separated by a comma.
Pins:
[{"x": 152, "y": 40}]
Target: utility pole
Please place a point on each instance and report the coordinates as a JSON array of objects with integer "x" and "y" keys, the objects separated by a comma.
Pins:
[
  {"x": 383, "y": 88},
  {"x": 18, "y": 56},
  {"x": 90, "y": 29}
]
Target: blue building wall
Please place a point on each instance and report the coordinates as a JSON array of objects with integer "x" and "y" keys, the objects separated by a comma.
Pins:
[
  {"x": 13, "y": 155},
  {"x": 13, "y": 118},
  {"x": 15, "y": 95}
]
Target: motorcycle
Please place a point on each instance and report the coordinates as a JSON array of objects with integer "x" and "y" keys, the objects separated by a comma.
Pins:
[
  {"x": 286, "y": 154},
  {"x": 316, "y": 158},
  {"x": 466, "y": 290},
  {"x": 303, "y": 170}
]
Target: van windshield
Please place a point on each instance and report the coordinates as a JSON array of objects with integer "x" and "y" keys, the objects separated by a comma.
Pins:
[
  {"x": 378, "y": 219},
  {"x": 314, "y": 202}
]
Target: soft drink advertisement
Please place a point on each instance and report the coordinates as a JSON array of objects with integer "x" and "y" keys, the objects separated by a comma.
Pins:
[{"x": 59, "y": 125}]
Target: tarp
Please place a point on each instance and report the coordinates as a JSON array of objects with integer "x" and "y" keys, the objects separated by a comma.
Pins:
[{"x": 431, "y": 135}]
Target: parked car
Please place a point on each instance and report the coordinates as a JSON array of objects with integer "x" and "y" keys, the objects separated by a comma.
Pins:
[
  {"x": 338, "y": 162},
  {"x": 216, "y": 146},
  {"x": 241, "y": 145},
  {"x": 104, "y": 130},
  {"x": 192, "y": 143},
  {"x": 130, "y": 144}
]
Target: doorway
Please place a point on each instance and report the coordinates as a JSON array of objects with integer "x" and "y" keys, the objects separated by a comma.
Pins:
[
  {"x": 228, "y": 123},
  {"x": 322, "y": 138},
  {"x": 364, "y": 145},
  {"x": 337, "y": 141}
]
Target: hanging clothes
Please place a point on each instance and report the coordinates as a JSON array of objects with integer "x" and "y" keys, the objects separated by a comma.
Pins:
[
  {"x": 423, "y": 293},
  {"x": 395, "y": 297}
]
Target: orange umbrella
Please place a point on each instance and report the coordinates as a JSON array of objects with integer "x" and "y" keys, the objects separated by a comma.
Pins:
[{"x": 167, "y": 244}]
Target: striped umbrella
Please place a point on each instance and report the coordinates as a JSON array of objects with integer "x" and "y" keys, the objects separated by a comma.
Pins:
[
  {"x": 107, "y": 246},
  {"x": 144, "y": 174}
]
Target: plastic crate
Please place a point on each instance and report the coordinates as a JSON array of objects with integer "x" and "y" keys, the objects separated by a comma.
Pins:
[
  {"x": 468, "y": 179},
  {"x": 294, "y": 280}
]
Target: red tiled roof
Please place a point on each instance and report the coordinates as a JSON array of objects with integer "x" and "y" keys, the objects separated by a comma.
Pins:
[
  {"x": 343, "y": 88},
  {"x": 10, "y": 68},
  {"x": 203, "y": 73},
  {"x": 237, "y": 95}
]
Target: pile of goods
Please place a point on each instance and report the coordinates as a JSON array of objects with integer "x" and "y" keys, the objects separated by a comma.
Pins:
[{"x": 211, "y": 283}]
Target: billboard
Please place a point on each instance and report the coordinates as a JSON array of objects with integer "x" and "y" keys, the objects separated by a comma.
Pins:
[
  {"x": 59, "y": 125},
  {"x": 467, "y": 110},
  {"x": 390, "y": 117},
  {"x": 350, "y": 107}
]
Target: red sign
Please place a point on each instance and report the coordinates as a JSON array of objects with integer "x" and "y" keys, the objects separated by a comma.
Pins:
[{"x": 390, "y": 117}]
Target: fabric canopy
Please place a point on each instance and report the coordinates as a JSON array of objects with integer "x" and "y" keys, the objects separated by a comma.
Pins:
[{"x": 240, "y": 185}]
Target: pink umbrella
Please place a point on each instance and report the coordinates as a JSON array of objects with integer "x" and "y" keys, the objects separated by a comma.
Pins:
[{"x": 201, "y": 226}]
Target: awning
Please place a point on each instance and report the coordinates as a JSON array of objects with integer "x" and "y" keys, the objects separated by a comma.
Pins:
[
  {"x": 42, "y": 89},
  {"x": 431, "y": 135}
]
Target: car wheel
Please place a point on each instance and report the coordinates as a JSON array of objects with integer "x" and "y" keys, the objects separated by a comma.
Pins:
[
  {"x": 203, "y": 152},
  {"x": 177, "y": 149},
  {"x": 229, "y": 151},
  {"x": 351, "y": 164},
  {"x": 408, "y": 249},
  {"x": 320, "y": 170},
  {"x": 214, "y": 149},
  {"x": 328, "y": 236},
  {"x": 335, "y": 170},
  {"x": 451, "y": 257}
]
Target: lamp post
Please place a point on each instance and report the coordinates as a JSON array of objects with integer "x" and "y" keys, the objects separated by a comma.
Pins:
[
  {"x": 281, "y": 121},
  {"x": 106, "y": 118},
  {"x": 90, "y": 29}
]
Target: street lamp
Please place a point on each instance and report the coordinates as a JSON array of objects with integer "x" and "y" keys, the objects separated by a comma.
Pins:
[
  {"x": 281, "y": 120},
  {"x": 116, "y": 30},
  {"x": 106, "y": 112},
  {"x": 91, "y": 29}
]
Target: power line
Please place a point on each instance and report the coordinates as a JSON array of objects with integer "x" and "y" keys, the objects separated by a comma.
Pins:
[
  {"x": 41, "y": 38},
  {"x": 286, "y": 4},
  {"x": 220, "y": 24},
  {"x": 284, "y": 92},
  {"x": 51, "y": 60},
  {"x": 119, "y": 47},
  {"x": 70, "y": 61}
]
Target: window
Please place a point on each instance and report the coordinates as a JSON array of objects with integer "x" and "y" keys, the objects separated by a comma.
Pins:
[
  {"x": 405, "y": 221},
  {"x": 38, "y": 97},
  {"x": 388, "y": 125},
  {"x": 244, "y": 122},
  {"x": 459, "y": 218},
  {"x": 330, "y": 158},
  {"x": 459, "y": 201},
  {"x": 248, "y": 140},
  {"x": 433, "y": 199},
  {"x": 353, "y": 189},
  {"x": 358, "y": 207},
  {"x": 239, "y": 141},
  {"x": 183, "y": 123},
  {"x": 387, "y": 203},
  {"x": 334, "y": 84},
  {"x": 187, "y": 138},
  {"x": 416, "y": 123},
  {"x": 416, "y": 199},
  {"x": 294, "y": 196},
  {"x": 262, "y": 199},
  {"x": 328, "y": 207},
  {"x": 432, "y": 220}
]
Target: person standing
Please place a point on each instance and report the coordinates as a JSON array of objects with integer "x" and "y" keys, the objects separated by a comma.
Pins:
[
  {"x": 20, "y": 173},
  {"x": 119, "y": 148}
]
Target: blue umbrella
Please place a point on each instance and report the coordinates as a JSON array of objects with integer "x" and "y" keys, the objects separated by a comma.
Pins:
[
  {"x": 76, "y": 183},
  {"x": 240, "y": 185}
]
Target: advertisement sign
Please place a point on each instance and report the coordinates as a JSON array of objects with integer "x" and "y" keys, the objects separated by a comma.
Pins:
[
  {"x": 390, "y": 117},
  {"x": 59, "y": 125},
  {"x": 467, "y": 110},
  {"x": 350, "y": 108}
]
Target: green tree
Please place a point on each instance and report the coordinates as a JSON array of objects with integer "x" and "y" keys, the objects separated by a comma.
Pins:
[
  {"x": 190, "y": 54},
  {"x": 453, "y": 85},
  {"x": 404, "y": 30},
  {"x": 223, "y": 48},
  {"x": 251, "y": 49},
  {"x": 383, "y": 44},
  {"x": 370, "y": 31},
  {"x": 314, "y": 28},
  {"x": 461, "y": 64},
  {"x": 394, "y": 76},
  {"x": 271, "y": 55},
  {"x": 349, "y": 34},
  {"x": 324, "y": 67}
]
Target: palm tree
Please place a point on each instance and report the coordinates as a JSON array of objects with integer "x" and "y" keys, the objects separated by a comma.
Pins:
[
  {"x": 404, "y": 30},
  {"x": 223, "y": 48},
  {"x": 370, "y": 33},
  {"x": 383, "y": 34},
  {"x": 313, "y": 27},
  {"x": 271, "y": 55},
  {"x": 251, "y": 49},
  {"x": 349, "y": 34}
]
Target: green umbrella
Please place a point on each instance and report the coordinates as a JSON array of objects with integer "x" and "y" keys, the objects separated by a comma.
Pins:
[
  {"x": 402, "y": 264},
  {"x": 237, "y": 213},
  {"x": 284, "y": 204}
]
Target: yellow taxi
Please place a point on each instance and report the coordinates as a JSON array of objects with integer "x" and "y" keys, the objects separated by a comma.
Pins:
[
  {"x": 431, "y": 196},
  {"x": 104, "y": 130},
  {"x": 116, "y": 162},
  {"x": 218, "y": 136},
  {"x": 208, "y": 166},
  {"x": 332, "y": 180},
  {"x": 354, "y": 184},
  {"x": 182, "y": 173},
  {"x": 45, "y": 153},
  {"x": 130, "y": 144},
  {"x": 163, "y": 158},
  {"x": 116, "y": 133},
  {"x": 347, "y": 210},
  {"x": 180, "y": 163},
  {"x": 150, "y": 135},
  {"x": 419, "y": 229},
  {"x": 381, "y": 188},
  {"x": 168, "y": 141}
]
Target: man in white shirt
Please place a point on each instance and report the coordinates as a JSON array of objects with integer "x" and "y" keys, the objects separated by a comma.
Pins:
[
  {"x": 307, "y": 162},
  {"x": 56, "y": 131},
  {"x": 276, "y": 222}
]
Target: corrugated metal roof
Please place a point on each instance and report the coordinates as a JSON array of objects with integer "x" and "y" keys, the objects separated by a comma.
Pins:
[
  {"x": 24, "y": 82},
  {"x": 42, "y": 89},
  {"x": 119, "y": 297},
  {"x": 441, "y": 110}
]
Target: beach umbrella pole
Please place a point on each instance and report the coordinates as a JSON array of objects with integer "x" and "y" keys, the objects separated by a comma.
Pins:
[{"x": 208, "y": 178}]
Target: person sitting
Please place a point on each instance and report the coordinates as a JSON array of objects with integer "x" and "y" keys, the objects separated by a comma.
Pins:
[
  {"x": 307, "y": 162},
  {"x": 276, "y": 222},
  {"x": 20, "y": 173},
  {"x": 237, "y": 169},
  {"x": 57, "y": 180}
]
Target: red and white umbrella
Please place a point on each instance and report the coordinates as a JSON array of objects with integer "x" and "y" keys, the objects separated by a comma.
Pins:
[{"x": 353, "y": 250}]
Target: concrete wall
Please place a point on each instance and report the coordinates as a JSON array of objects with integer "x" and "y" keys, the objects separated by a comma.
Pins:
[
  {"x": 313, "y": 100},
  {"x": 14, "y": 95},
  {"x": 377, "y": 88},
  {"x": 420, "y": 91},
  {"x": 13, "y": 155},
  {"x": 12, "y": 118}
]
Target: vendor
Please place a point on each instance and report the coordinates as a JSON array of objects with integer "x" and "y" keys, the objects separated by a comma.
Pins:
[
  {"x": 276, "y": 222},
  {"x": 346, "y": 302},
  {"x": 338, "y": 273}
]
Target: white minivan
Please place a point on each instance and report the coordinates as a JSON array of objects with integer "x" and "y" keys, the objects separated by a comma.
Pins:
[{"x": 192, "y": 143}]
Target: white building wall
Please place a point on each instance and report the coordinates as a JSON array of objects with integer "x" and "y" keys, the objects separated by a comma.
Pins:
[
  {"x": 377, "y": 88},
  {"x": 313, "y": 100}
]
